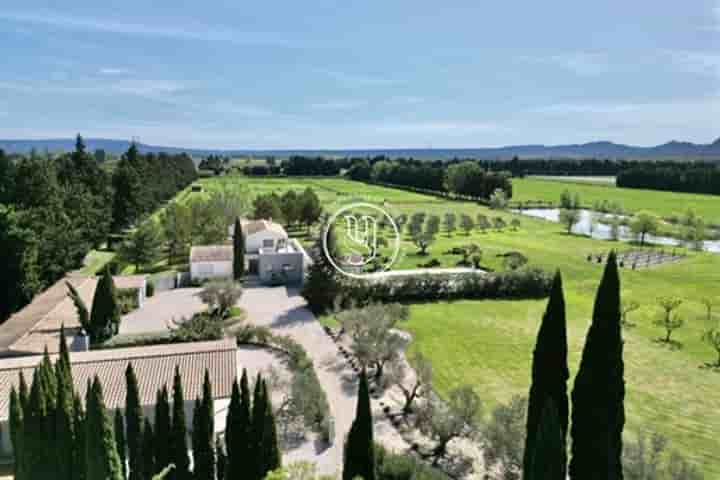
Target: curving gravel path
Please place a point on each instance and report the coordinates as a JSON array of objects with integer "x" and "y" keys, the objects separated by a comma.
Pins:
[{"x": 284, "y": 311}]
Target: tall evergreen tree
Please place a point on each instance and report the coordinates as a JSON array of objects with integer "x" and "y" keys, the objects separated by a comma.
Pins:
[
  {"x": 64, "y": 423},
  {"x": 547, "y": 460},
  {"x": 257, "y": 430},
  {"x": 549, "y": 371},
  {"x": 221, "y": 459},
  {"x": 178, "y": 433},
  {"x": 38, "y": 452},
  {"x": 360, "y": 446},
  {"x": 270, "y": 453},
  {"x": 148, "y": 452},
  {"x": 204, "y": 433},
  {"x": 105, "y": 312},
  {"x": 120, "y": 444},
  {"x": 163, "y": 426},
  {"x": 134, "y": 421},
  {"x": 78, "y": 448},
  {"x": 16, "y": 433},
  {"x": 237, "y": 429},
  {"x": 322, "y": 286},
  {"x": 101, "y": 456},
  {"x": 598, "y": 413},
  {"x": 238, "y": 251}
]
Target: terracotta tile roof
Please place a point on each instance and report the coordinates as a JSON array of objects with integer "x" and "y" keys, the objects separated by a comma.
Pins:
[
  {"x": 28, "y": 330},
  {"x": 211, "y": 253},
  {"x": 254, "y": 226},
  {"x": 154, "y": 367}
]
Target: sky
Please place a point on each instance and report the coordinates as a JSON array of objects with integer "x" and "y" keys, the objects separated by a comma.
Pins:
[{"x": 361, "y": 74}]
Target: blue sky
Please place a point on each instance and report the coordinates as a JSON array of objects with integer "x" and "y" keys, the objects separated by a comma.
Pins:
[{"x": 344, "y": 74}]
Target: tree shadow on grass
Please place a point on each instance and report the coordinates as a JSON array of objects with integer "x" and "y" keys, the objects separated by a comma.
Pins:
[
  {"x": 672, "y": 345},
  {"x": 713, "y": 367}
]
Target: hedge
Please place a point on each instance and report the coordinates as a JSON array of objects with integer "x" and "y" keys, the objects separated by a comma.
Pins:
[{"x": 530, "y": 283}]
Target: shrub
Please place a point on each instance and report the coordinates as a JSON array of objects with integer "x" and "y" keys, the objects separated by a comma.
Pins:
[
  {"x": 433, "y": 263},
  {"x": 127, "y": 300},
  {"x": 200, "y": 327},
  {"x": 393, "y": 466}
]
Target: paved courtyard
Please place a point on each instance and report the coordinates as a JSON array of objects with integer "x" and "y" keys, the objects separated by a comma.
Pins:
[{"x": 158, "y": 312}]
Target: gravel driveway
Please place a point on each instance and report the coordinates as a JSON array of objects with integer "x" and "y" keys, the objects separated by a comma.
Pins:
[{"x": 283, "y": 310}]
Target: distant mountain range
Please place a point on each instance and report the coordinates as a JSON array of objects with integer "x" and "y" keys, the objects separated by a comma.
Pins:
[{"x": 603, "y": 149}]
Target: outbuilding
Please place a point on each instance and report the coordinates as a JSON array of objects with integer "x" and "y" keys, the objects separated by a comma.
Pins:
[{"x": 211, "y": 261}]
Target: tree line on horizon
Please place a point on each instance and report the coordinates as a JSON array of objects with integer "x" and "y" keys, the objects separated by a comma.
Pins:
[{"x": 699, "y": 177}]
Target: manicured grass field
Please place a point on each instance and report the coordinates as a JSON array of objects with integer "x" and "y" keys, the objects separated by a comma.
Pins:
[
  {"x": 488, "y": 344},
  {"x": 662, "y": 204}
]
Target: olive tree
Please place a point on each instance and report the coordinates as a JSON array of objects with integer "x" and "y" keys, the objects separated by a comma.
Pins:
[
  {"x": 505, "y": 434},
  {"x": 644, "y": 224},
  {"x": 220, "y": 296},
  {"x": 373, "y": 340},
  {"x": 443, "y": 422},
  {"x": 569, "y": 217},
  {"x": 626, "y": 308},
  {"x": 466, "y": 223},
  {"x": 669, "y": 319},
  {"x": 712, "y": 338},
  {"x": 411, "y": 386}
]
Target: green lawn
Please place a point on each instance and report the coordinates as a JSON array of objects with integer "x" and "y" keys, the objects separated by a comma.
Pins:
[
  {"x": 663, "y": 204},
  {"x": 488, "y": 344},
  {"x": 95, "y": 260}
]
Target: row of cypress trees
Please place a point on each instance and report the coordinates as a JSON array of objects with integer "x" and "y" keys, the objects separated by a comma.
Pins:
[
  {"x": 53, "y": 436},
  {"x": 598, "y": 411}
]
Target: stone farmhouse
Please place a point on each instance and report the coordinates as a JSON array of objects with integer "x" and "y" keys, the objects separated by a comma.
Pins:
[{"x": 269, "y": 253}]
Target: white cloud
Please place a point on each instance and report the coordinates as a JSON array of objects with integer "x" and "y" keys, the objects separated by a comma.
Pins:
[
  {"x": 357, "y": 79},
  {"x": 339, "y": 105},
  {"x": 699, "y": 62},
  {"x": 444, "y": 127},
  {"x": 580, "y": 63},
  {"x": 113, "y": 71},
  {"x": 211, "y": 33}
]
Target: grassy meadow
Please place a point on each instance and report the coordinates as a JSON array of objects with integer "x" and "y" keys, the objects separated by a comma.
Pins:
[
  {"x": 662, "y": 204},
  {"x": 488, "y": 344}
]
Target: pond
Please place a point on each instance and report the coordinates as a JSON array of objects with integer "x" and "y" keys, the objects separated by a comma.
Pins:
[{"x": 602, "y": 230}]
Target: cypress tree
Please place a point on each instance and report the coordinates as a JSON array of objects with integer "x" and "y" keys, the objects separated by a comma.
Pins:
[
  {"x": 16, "y": 433},
  {"x": 204, "y": 433},
  {"x": 221, "y": 460},
  {"x": 238, "y": 251},
  {"x": 134, "y": 421},
  {"x": 598, "y": 414},
  {"x": 547, "y": 460},
  {"x": 257, "y": 427},
  {"x": 163, "y": 456},
  {"x": 101, "y": 454},
  {"x": 178, "y": 433},
  {"x": 78, "y": 448},
  {"x": 549, "y": 371},
  {"x": 321, "y": 286},
  {"x": 120, "y": 441},
  {"x": 39, "y": 458},
  {"x": 237, "y": 429},
  {"x": 64, "y": 427},
  {"x": 360, "y": 447},
  {"x": 105, "y": 312},
  {"x": 23, "y": 394},
  {"x": 271, "y": 459},
  {"x": 148, "y": 451}
]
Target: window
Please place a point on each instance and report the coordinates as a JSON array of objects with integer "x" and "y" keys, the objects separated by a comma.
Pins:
[{"x": 268, "y": 243}]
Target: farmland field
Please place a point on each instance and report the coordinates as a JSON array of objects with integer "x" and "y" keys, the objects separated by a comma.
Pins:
[
  {"x": 601, "y": 180},
  {"x": 488, "y": 344}
]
